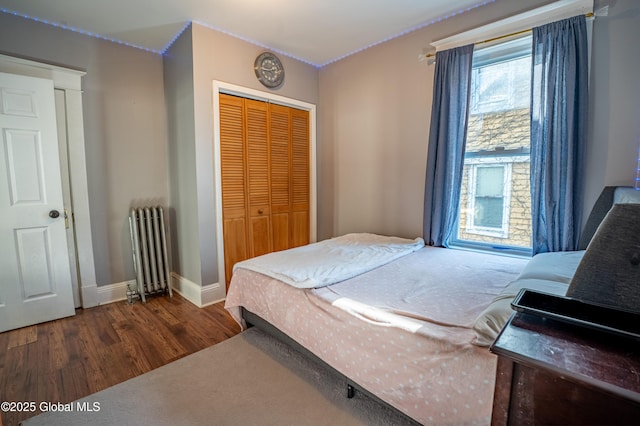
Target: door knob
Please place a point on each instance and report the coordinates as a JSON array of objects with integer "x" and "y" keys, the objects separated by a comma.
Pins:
[{"x": 54, "y": 214}]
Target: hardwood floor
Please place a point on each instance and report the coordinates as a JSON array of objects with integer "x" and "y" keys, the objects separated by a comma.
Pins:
[{"x": 67, "y": 359}]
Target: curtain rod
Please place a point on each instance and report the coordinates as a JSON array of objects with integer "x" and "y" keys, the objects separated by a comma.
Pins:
[{"x": 517, "y": 33}]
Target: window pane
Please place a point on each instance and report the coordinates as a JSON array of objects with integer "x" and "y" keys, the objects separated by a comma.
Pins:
[
  {"x": 490, "y": 182},
  {"x": 488, "y": 212},
  {"x": 498, "y": 87}
]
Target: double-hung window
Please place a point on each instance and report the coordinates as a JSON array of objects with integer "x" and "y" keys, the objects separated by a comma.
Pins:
[
  {"x": 489, "y": 199},
  {"x": 495, "y": 200}
]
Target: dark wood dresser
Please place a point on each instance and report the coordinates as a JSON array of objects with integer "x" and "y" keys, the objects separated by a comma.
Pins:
[{"x": 554, "y": 373}]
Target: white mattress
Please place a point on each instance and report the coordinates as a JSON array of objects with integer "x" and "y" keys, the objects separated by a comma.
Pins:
[{"x": 402, "y": 331}]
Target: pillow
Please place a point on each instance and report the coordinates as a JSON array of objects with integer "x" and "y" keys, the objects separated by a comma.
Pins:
[
  {"x": 545, "y": 272},
  {"x": 626, "y": 195},
  {"x": 495, "y": 316},
  {"x": 556, "y": 266}
]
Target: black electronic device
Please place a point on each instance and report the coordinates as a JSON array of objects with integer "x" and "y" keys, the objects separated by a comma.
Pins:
[{"x": 578, "y": 312}]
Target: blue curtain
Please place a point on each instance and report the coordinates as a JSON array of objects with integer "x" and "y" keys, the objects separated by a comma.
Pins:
[
  {"x": 447, "y": 138},
  {"x": 559, "y": 102}
]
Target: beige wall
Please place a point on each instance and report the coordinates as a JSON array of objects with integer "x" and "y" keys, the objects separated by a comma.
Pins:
[
  {"x": 179, "y": 95},
  {"x": 373, "y": 109},
  {"x": 125, "y": 131},
  {"x": 614, "y": 113}
]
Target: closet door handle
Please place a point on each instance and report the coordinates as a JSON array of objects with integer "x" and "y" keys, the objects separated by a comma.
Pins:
[{"x": 260, "y": 211}]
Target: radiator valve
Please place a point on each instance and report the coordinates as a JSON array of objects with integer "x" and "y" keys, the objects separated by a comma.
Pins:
[{"x": 131, "y": 294}]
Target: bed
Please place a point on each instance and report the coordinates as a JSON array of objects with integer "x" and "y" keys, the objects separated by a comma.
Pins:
[
  {"x": 412, "y": 329},
  {"x": 402, "y": 331}
]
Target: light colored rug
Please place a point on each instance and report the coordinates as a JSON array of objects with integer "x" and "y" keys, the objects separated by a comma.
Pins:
[{"x": 249, "y": 379}]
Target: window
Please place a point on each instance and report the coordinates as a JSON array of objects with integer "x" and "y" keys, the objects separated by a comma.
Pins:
[
  {"x": 500, "y": 87},
  {"x": 488, "y": 201},
  {"x": 495, "y": 200}
]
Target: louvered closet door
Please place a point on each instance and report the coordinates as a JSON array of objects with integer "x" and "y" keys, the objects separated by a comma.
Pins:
[
  {"x": 280, "y": 176},
  {"x": 264, "y": 150},
  {"x": 258, "y": 177},
  {"x": 300, "y": 180},
  {"x": 234, "y": 203},
  {"x": 289, "y": 139}
]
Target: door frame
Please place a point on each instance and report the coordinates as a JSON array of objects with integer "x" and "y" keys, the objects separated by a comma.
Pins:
[
  {"x": 245, "y": 92},
  {"x": 70, "y": 81}
]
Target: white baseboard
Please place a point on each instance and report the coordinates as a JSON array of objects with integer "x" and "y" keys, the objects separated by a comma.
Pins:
[
  {"x": 113, "y": 292},
  {"x": 200, "y": 296},
  {"x": 89, "y": 295}
]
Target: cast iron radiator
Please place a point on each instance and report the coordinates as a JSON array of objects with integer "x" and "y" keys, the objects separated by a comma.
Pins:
[{"x": 150, "y": 252}]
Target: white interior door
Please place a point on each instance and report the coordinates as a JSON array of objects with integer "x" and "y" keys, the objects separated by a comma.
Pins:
[{"x": 35, "y": 281}]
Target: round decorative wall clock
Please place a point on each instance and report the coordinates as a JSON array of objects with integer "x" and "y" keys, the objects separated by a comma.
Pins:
[{"x": 269, "y": 70}]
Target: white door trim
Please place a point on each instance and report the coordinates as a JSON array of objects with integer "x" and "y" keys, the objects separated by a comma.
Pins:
[
  {"x": 222, "y": 87},
  {"x": 70, "y": 81}
]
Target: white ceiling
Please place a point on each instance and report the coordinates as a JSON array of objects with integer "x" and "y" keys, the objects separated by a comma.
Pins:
[{"x": 314, "y": 31}]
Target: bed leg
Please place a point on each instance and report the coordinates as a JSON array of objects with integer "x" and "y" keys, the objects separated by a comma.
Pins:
[{"x": 351, "y": 392}]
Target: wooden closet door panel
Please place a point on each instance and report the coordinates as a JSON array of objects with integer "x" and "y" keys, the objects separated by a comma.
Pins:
[
  {"x": 234, "y": 203},
  {"x": 260, "y": 231},
  {"x": 235, "y": 246},
  {"x": 300, "y": 178},
  {"x": 300, "y": 228},
  {"x": 280, "y": 136},
  {"x": 258, "y": 179},
  {"x": 232, "y": 153},
  {"x": 280, "y": 230}
]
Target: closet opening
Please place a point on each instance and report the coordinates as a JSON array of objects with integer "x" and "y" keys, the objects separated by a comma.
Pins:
[{"x": 265, "y": 163}]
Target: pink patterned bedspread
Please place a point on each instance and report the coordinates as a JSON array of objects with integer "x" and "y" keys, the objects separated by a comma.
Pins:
[{"x": 402, "y": 331}]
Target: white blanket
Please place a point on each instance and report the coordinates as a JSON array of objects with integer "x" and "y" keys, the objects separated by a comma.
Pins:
[{"x": 330, "y": 261}]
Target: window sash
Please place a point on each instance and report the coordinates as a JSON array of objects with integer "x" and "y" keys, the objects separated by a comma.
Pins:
[{"x": 491, "y": 231}]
